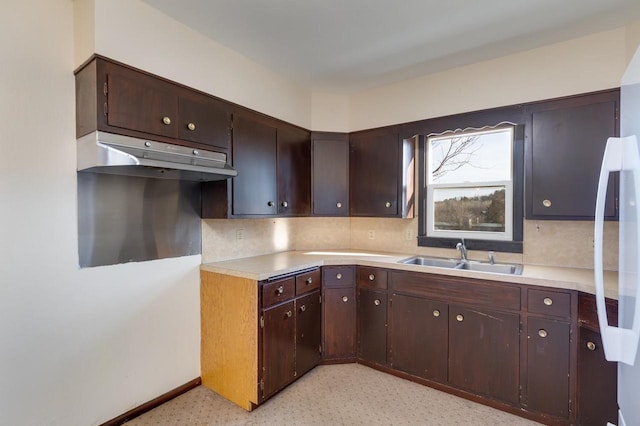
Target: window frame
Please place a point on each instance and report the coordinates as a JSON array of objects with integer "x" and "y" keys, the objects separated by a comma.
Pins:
[
  {"x": 430, "y": 187},
  {"x": 514, "y": 245}
]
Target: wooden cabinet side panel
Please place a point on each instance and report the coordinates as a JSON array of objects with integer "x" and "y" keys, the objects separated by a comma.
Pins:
[{"x": 229, "y": 342}]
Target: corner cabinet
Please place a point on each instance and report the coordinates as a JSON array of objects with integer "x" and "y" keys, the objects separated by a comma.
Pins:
[
  {"x": 258, "y": 336},
  {"x": 330, "y": 181},
  {"x": 339, "y": 314},
  {"x": 564, "y": 142},
  {"x": 380, "y": 173}
]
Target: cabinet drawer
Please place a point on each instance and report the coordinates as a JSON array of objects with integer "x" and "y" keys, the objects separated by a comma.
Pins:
[
  {"x": 308, "y": 282},
  {"x": 278, "y": 291},
  {"x": 553, "y": 303},
  {"x": 372, "y": 278},
  {"x": 338, "y": 276}
]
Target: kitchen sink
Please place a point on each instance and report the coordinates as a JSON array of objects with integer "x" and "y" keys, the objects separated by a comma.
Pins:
[{"x": 496, "y": 268}]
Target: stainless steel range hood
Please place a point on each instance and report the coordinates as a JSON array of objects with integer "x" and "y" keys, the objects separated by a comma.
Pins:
[{"x": 101, "y": 152}]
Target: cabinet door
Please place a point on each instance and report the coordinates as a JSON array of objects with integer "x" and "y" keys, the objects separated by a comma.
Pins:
[
  {"x": 204, "y": 120},
  {"x": 330, "y": 177},
  {"x": 484, "y": 352},
  {"x": 339, "y": 319},
  {"x": 374, "y": 170},
  {"x": 565, "y": 144},
  {"x": 254, "y": 157},
  {"x": 140, "y": 102},
  {"x": 308, "y": 332},
  {"x": 278, "y": 347},
  {"x": 294, "y": 171},
  {"x": 548, "y": 344},
  {"x": 418, "y": 337},
  {"x": 597, "y": 382},
  {"x": 372, "y": 326}
]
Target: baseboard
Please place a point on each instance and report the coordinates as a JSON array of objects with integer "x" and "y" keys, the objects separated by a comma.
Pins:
[{"x": 150, "y": 405}]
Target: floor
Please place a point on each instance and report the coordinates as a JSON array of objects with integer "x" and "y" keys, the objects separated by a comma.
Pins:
[{"x": 348, "y": 394}]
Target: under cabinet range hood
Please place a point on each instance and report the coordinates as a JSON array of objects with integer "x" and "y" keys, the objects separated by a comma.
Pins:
[{"x": 101, "y": 152}]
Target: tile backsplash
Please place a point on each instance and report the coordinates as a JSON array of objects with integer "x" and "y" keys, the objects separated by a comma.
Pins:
[{"x": 550, "y": 243}]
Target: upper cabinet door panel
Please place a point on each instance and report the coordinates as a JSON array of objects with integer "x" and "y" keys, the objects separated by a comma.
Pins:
[
  {"x": 331, "y": 177},
  {"x": 254, "y": 157},
  {"x": 204, "y": 120},
  {"x": 566, "y": 140},
  {"x": 140, "y": 102},
  {"x": 294, "y": 171},
  {"x": 374, "y": 170}
]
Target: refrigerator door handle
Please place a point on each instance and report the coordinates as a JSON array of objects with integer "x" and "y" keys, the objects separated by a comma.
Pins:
[{"x": 620, "y": 344}]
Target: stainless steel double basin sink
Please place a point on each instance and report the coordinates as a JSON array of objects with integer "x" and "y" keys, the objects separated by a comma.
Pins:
[{"x": 468, "y": 265}]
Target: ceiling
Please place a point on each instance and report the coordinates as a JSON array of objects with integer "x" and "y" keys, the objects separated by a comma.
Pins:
[{"x": 345, "y": 46}]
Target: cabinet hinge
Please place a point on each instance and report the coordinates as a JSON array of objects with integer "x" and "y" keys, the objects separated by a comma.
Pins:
[
  {"x": 320, "y": 299},
  {"x": 105, "y": 108},
  {"x": 320, "y": 348},
  {"x": 295, "y": 374},
  {"x": 261, "y": 385},
  {"x": 105, "y": 88},
  {"x": 262, "y": 321}
]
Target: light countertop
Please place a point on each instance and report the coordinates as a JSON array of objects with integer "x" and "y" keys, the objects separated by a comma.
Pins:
[{"x": 267, "y": 266}]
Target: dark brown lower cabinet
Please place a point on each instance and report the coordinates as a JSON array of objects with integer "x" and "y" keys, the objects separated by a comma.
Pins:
[
  {"x": 278, "y": 347},
  {"x": 418, "y": 333},
  {"x": 548, "y": 352},
  {"x": 484, "y": 352},
  {"x": 308, "y": 338},
  {"x": 339, "y": 323},
  {"x": 372, "y": 326},
  {"x": 597, "y": 382}
]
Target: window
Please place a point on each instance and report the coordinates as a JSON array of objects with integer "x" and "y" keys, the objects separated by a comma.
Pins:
[{"x": 469, "y": 184}]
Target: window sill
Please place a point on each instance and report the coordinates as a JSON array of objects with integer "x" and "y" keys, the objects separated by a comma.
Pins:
[{"x": 485, "y": 245}]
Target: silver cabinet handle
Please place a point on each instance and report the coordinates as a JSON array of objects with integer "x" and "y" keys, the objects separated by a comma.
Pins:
[
  {"x": 547, "y": 301},
  {"x": 280, "y": 290},
  {"x": 387, "y": 204},
  {"x": 436, "y": 313},
  {"x": 195, "y": 152},
  {"x": 270, "y": 203},
  {"x": 372, "y": 277},
  {"x": 284, "y": 204},
  {"x": 591, "y": 346},
  {"x": 309, "y": 280},
  {"x": 191, "y": 126},
  {"x": 376, "y": 302},
  {"x": 459, "y": 318},
  {"x": 289, "y": 314},
  {"x": 303, "y": 308},
  {"x": 542, "y": 333},
  {"x": 339, "y": 276},
  {"x": 345, "y": 299},
  {"x": 166, "y": 120},
  {"x": 339, "y": 205},
  {"x": 546, "y": 203}
]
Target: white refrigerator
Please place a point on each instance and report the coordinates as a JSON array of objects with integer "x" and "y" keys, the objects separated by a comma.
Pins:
[{"x": 621, "y": 155}]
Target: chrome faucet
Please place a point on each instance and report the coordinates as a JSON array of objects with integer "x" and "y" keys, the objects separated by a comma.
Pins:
[{"x": 462, "y": 249}]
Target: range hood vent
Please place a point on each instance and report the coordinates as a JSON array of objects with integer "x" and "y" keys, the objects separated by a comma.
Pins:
[{"x": 101, "y": 152}]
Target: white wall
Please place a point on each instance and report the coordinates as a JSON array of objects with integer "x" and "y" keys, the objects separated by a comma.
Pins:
[
  {"x": 77, "y": 347},
  {"x": 581, "y": 65},
  {"x": 139, "y": 35}
]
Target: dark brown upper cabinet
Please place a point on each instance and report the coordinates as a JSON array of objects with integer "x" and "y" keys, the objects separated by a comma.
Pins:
[
  {"x": 330, "y": 182},
  {"x": 254, "y": 157},
  {"x": 294, "y": 171},
  {"x": 115, "y": 98},
  {"x": 273, "y": 160},
  {"x": 380, "y": 173},
  {"x": 564, "y": 145}
]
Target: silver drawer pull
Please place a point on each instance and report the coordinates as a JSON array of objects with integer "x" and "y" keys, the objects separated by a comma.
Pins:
[
  {"x": 280, "y": 290},
  {"x": 436, "y": 313},
  {"x": 309, "y": 281},
  {"x": 591, "y": 346},
  {"x": 339, "y": 276},
  {"x": 303, "y": 308},
  {"x": 372, "y": 277},
  {"x": 289, "y": 314},
  {"x": 548, "y": 301},
  {"x": 459, "y": 318},
  {"x": 345, "y": 299},
  {"x": 376, "y": 302},
  {"x": 542, "y": 333}
]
